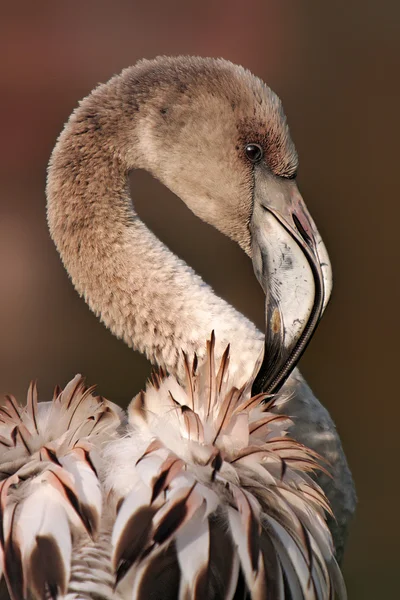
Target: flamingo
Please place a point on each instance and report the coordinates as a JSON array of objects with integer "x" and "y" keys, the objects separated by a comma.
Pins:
[{"x": 217, "y": 137}]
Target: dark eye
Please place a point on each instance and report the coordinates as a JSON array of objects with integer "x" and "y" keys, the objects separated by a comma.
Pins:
[{"x": 254, "y": 152}]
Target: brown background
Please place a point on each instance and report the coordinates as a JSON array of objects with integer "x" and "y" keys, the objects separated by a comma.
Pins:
[{"x": 336, "y": 66}]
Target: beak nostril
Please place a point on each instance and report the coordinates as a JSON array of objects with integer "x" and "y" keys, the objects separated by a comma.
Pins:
[{"x": 301, "y": 230}]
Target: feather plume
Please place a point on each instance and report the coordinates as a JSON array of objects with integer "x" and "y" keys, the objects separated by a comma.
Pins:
[
  {"x": 203, "y": 495},
  {"x": 213, "y": 472},
  {"x": 50, "y": 493}
]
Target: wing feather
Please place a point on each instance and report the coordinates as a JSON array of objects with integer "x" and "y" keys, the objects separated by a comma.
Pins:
[
  {"x": 287, "y": 548},
  {"x": 224, "y": 561},
  {"x": 246, "y": 529},
  {"x": 158, "y": 577},
  {"x": 87, "y": 486},
  {"x": 193, "y": 550},
  {"x": 13, "y": 569},
  {"x": 43, "y": 536}
]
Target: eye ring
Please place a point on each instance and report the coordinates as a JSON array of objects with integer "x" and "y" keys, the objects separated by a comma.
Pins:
[{"x": 254, "y": 152}]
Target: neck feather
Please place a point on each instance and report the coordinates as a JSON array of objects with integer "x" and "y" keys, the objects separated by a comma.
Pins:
[{"x": 142, "y": 292}]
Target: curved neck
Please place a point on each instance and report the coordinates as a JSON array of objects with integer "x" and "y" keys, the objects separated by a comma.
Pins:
[{"x": 142, "y": 292}]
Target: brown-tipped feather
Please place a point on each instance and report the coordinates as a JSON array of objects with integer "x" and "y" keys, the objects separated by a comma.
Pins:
[
  {"x": 135, "y": 538},
  {"x": 56, "y": 392},
  {"x": 46, "y": 569},
  {"x": 189, "y": 380},
  {"x": 170, "y": 468},
  {"x": 22, "y": 438},
  {"x": 13, "y": 564},
  {"x": 224, "y": 563},
  {"x": 194, "y": 426},
  {"x": 32, "y": 399},
  {"x": 13, "y": 408},
  {"x": 176, "y": 515},
  {"x": 160, "y": 578},
  {"x": 223, "y": 369},
  {"x": 225, "y": 412},
  {"x": 211, "y": 382}
]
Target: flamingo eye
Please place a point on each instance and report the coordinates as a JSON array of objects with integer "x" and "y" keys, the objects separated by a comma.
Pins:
[{"x": 254, "y": 152}]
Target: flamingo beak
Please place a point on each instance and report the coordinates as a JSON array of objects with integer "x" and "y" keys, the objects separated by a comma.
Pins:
[{"x": 293, "y": 268}]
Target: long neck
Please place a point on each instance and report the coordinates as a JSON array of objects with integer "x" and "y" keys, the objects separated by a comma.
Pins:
[{"x": 142, "y": 292}]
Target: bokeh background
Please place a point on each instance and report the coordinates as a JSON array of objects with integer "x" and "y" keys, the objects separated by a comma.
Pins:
[{"x": 336, "y": 66}]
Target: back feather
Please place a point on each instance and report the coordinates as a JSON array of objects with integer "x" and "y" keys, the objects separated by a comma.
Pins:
[
  {"x": 202, "y": 495},
  {"x": 213, "y": 499}
]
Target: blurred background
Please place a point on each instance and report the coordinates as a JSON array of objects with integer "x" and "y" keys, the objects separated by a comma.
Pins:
[{"x": 336, "y": 67}]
